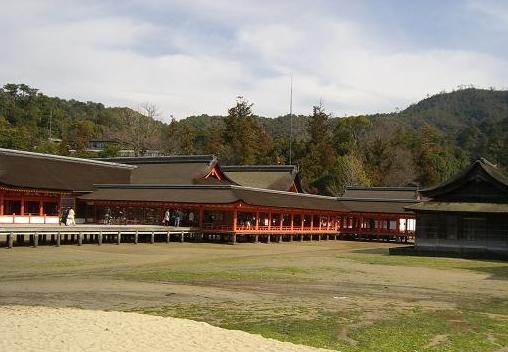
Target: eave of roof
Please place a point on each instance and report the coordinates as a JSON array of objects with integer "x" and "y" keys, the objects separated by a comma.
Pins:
[
  {"x": 460, "y": 207},
  {"x": 249, "y": 195},
  {"x": 377, "y": 205},
  {"x": 22, "y": 153}
]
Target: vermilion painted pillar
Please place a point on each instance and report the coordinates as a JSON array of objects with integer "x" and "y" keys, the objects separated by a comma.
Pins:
[
  {"x": 1, "y": 203},
  {"x": 22, "y": 210},
  {"x": 269, "y": 220},
  {"x": 292, "y": 219},
  {"x": 41, "y": 207},
  {"x": 235, "y": 216},
  {"x": 257, "y": 220},
  {"x": 281, "y": 220}
]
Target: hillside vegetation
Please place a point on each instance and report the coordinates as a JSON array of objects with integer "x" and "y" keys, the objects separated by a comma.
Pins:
[{"x": 423, "y": 144}]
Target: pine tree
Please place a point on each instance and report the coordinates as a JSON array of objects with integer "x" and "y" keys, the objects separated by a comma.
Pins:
[{"x": 321, "y": 156}]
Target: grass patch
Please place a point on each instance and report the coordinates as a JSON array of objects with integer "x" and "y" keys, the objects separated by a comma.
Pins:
[
  {"x": 65, "y": 264},
  {"x": 292, "y": 274},
  {"x": 414, "y": 330},
  {"x": 294, "y": 323},
  {"x": 498, "y": 269}
]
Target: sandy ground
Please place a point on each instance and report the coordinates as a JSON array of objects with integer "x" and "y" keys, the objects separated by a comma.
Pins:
[{"x": 65, "y": 329}]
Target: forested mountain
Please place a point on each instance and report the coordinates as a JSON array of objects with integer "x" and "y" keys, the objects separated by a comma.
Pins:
[{"x": 423, "y": 144}]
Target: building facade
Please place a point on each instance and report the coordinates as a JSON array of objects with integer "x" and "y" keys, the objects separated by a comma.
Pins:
[{"x": 465, "y": 216}]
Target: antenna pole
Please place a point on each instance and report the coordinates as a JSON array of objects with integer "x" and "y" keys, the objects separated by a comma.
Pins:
[
  {"x": 50, "y": 118},
  {"x": 291, "y": 123}
]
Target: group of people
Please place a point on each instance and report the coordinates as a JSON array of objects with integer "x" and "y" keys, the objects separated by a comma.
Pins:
[
  {"x": 67, "y": 217},
  {"x": 176, "y": 218}
]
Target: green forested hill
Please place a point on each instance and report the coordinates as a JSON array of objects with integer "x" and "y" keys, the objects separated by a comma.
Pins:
[
  {"x": 424, "y": 144},
  {"x": 476, "y": 120}
]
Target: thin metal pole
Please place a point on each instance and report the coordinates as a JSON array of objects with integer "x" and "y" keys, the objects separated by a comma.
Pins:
[{"x": 291, "y": 123}]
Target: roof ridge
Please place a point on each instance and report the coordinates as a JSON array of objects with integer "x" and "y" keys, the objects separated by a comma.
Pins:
[
  {"x": 383, "y": 188},
  {"x": 167, "y": 159},
  {"x": 395, "y": 200},
  {"x": 259, "y": 167}
]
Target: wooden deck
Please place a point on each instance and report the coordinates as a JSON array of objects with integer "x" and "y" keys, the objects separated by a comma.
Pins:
[
  {"x": 35, "y": 235},
  {"x": 89, "y": 233}
]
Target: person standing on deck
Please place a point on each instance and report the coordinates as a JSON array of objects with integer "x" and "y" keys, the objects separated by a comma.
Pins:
[
  {"x": 167, "y": 216},
  {"x": 63, "y": 218},
  {"x": 177, "y": 218},
  {"x": 70, "y": 217}
]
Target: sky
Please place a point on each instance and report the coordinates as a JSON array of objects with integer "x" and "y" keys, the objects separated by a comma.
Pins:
[{"x": 191, "y": 57}]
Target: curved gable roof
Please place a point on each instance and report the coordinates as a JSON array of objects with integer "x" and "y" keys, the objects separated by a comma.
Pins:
[
  {"x": 177, "y": 170},
  {"x": 480, "y": 173}
]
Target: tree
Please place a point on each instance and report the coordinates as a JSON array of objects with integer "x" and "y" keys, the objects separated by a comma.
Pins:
[
  {"x": 170, "y": 140},
  {"x": 245, "y": 140},
  {"x": 349, "y": 171},
  {"x": 186, "y": 138},
  {"x": 348, "y": 132},
  {"x": 321, "y": 156},
  {"x": 111, "y": 150},
  {"x": 84, "y": 132},
  {"x": 138, "y": 129},
  {"x": 436, "y": 159}
]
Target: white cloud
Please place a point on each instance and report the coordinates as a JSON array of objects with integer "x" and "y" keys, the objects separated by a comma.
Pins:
[{"x": 125, "y": 57}]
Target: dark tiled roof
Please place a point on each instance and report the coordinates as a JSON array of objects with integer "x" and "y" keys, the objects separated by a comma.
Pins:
[
  {"x": 389, "y": 200},
  {"x": 214, "y": 194},
  {"x": 51, "y": 172},
  {"x": 175, "y": 170},
  {"x": 381, "y": 192},
  {"x": 460, "y": 207},
  {"x": 392, "y": 206},
  {"x": 274, "y": 177},
  {"x": 481, "y": 171}
]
